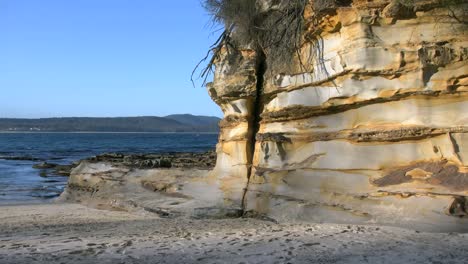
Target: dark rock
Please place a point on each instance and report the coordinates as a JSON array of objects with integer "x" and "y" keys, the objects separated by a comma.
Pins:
[
  {"x": 459, "y": 207},
  {"x": 54, "y": 169},
  {"x": 398, "y": 10},
  {"x": 165, "y": 163},
  {"x": 440, "y": 173},
  {"x": 44, "y": 165},
  {"x": 329, "y": 5},
  {"x": 216, "y": 213},
  {"x": 274, "y": 137},
  {"x": 63, "y": 170},
  {"x": 204, "y": 160}
]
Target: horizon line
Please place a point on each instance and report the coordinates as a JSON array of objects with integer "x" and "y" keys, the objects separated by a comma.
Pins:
[
  {"x": 100, "y": 132},
  {"x": 136, "y": 116}
]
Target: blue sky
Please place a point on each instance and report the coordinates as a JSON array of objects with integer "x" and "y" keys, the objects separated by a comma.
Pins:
[{"x": 102, "y": 58}]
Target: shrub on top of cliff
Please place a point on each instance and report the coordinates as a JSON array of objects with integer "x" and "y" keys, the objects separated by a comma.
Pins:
[
  {"x": 237, "y": 16},
  {"x": 271, "y": 27}
]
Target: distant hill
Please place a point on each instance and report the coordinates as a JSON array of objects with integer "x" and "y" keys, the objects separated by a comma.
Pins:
[
  {"x": 195, "y": 121},
  {"x": 172, "y": 123}
]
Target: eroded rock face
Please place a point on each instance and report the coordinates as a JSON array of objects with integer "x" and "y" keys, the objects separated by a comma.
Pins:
[
  {"x": 169, "y": 185},
  {"x": 375, "y": 130}
]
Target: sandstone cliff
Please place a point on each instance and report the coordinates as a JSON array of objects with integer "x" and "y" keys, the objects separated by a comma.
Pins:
[{"x": 366, "y": 123}]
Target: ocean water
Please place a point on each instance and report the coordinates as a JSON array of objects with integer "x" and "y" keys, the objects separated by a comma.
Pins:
[{"x": 20, "y": 183}]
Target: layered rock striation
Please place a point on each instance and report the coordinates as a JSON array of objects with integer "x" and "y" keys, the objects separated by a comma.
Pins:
[{"x": 367, "y": 123}]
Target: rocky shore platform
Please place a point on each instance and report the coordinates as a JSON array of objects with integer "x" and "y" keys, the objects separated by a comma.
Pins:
[
  {"x": 141, "y": 161},
  {"x": 168, "y": 184}
]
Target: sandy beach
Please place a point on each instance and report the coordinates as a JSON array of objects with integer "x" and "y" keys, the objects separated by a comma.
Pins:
[{"x": 73, "y": 233}]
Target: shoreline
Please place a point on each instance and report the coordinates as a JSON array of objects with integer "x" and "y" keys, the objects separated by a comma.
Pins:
[{"x": 100, "y": 132}]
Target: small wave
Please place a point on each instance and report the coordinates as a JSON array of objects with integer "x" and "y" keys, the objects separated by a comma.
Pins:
[
  {"x": 46, "y": 195},
  {"x": 23, "y": 158}
]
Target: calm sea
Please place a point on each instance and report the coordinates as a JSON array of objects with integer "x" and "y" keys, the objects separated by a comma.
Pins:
[{"x": 20, "y": 183}]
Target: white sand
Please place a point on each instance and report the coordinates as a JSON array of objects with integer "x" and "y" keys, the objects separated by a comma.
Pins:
[{"x": 72, "y": 233}]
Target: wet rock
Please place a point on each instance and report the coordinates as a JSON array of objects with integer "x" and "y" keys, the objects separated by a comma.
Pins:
[
  {"x": 44, "y": 165},
  {"x": 63, "y": 170},
  {"x": 166, "y": 163},
  {"x": 164, "y": 160},
  {"x": 52, "y": 169}
]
